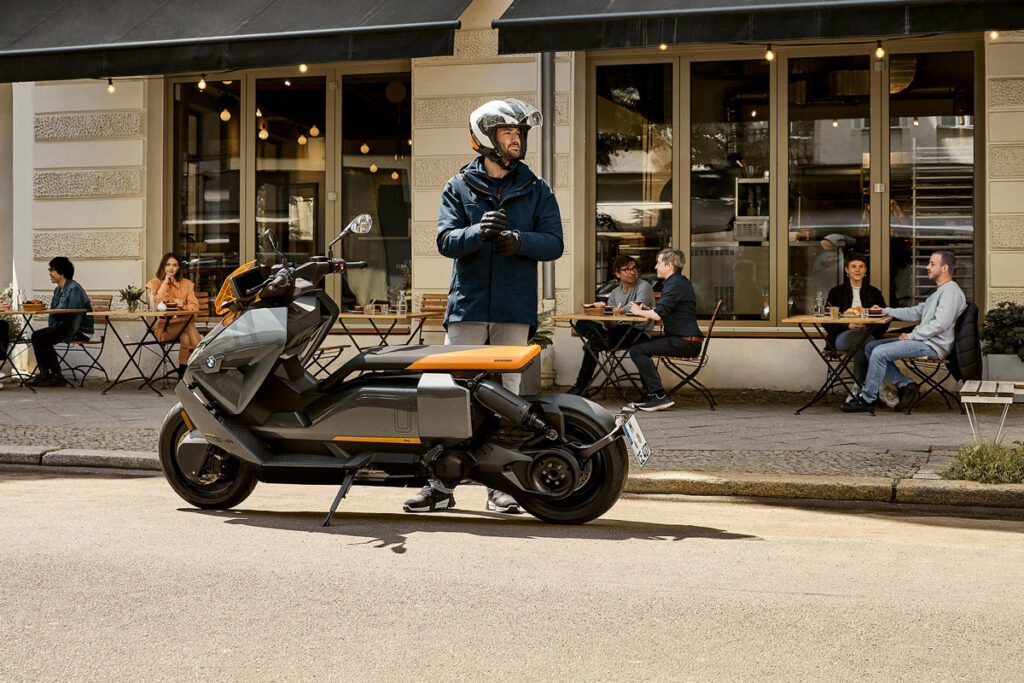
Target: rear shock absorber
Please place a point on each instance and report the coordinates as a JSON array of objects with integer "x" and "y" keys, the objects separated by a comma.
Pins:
[{"x": 497, "y": 398}]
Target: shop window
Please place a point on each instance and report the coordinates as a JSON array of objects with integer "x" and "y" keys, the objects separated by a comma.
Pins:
[
  {"x": 376, "y": 149},
  {"x": 931, "y": 168},
  {"x": 634, "y": 166},
  {"x": 829, "y": 173},
  {"x": 291, "y": 164},
  {"x": 729, "y": 188},
  {"x": 206, "y": 181}
]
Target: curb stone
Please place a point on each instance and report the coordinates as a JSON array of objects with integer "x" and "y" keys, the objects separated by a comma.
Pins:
[
  {"x": 23, "y": 455},
  {"x": 127, "y": 460},
  {"x": 791, "y": 486}
]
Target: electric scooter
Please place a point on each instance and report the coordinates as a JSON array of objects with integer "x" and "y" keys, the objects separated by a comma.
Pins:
[{"x": 249, "y": 410}]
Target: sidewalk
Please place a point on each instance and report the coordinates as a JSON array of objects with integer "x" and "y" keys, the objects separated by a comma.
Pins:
[{"x": 752, "y": 445}]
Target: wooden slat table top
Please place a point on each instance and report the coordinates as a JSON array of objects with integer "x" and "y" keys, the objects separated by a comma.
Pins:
[
  {"x": 382, "y": 316},
  {"x": 144, "y": 314},
  {"x": 45, "y": 311},
  {"x": 841, "y": 320}
]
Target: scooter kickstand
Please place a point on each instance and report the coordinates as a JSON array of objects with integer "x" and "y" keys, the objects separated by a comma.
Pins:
[{"x": 346, "y": 484}]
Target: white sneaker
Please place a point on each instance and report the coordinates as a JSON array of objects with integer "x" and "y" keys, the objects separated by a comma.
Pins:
[{"x": 887, "y": 395}]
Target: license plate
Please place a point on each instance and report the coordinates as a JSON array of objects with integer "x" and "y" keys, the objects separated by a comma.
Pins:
[{"x": 635, "y": 440}]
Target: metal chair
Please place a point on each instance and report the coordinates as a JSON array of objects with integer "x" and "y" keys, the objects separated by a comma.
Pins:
[
  {"x": 686, "y": 369},
  {"x": 92, "y": 347}
]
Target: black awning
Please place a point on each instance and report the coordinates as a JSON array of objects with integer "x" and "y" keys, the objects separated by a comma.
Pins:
[
  {"x": 542, "y": 25},
  {"x": 62, "y": 39}
]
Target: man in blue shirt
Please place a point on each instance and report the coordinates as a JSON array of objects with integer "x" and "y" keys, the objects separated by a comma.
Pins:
[{"x": 61, "y": 327}]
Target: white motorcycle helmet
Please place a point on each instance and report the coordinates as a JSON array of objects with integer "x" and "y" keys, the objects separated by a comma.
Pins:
[{"x": 486, "y": 119}]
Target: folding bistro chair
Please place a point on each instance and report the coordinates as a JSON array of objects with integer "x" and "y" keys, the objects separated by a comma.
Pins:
[
  {"x": 686, "y": 369},
  {"x": 318, "y": 363},
  {"x": 93, "y": 347},
  {"x": 933, "y": 373}
]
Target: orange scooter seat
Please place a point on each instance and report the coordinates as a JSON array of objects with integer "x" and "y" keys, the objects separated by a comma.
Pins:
[{"x": 494, "y": 358}]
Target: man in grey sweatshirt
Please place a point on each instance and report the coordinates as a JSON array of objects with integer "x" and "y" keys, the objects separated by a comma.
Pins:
[{"x": 931, "y": 338}]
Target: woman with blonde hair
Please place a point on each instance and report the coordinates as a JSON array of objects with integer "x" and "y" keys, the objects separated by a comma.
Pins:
[{"x": 174, "y": 291}]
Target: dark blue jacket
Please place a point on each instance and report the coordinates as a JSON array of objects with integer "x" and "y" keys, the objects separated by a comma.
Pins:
[
  {"x": 486, "y": 287},
  {"x": 73, "y": 324},
  {"x": 678, "y": 307}
]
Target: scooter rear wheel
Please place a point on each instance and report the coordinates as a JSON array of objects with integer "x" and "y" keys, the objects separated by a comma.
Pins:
[
  {"x": 599, "y": 491},
  {"x": 233, "y": 481}
]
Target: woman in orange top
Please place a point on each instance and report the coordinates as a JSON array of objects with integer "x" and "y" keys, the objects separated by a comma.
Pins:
[{"x": 171, "y": 289}]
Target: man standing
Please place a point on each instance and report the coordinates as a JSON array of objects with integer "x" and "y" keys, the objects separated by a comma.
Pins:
[
  {"x": 597, "y": 339},
  {"x": 931, "y": 338},
  {"x": 497, "y": 221}
]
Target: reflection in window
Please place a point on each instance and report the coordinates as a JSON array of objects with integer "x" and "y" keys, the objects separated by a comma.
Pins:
[
  {"x": 376, "y": 148},
  {"x": 829, "y": 179},
  {"x": 729, "y": 190},
  {"x": 634, "y": 165},
  {"x": 931, "y": 138},
  {"x": 291, "y": 161},
  {"x": 206, "y": 181}
]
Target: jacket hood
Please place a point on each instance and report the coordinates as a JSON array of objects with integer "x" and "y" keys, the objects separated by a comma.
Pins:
[{"x": 476, "y": 175}]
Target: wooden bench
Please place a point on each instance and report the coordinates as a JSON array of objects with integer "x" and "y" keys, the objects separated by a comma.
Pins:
[{"x": 974, "y": 392}]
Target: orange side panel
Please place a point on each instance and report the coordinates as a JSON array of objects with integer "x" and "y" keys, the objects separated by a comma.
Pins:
[
  {"x": 487, "y": 358},
  {"x": 378, "y": 439}
]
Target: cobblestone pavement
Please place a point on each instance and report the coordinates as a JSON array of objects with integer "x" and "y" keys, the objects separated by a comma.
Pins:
[{"x": 751, "y": 431}]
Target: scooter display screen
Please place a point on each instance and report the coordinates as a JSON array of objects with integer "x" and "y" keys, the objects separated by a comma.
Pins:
[{"x": 243, "y": 282}]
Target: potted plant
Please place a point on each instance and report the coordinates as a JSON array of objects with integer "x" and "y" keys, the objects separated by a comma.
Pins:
[
  {"x": 1002, "y": 341},
  {"x": 132, "y": 296}
]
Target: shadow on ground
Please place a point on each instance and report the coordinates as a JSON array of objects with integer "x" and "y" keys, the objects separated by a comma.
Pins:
[{"x": 391, "y": 531}]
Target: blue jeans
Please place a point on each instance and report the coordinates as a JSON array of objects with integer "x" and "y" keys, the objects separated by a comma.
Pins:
[{"x": 882, "y": 356}]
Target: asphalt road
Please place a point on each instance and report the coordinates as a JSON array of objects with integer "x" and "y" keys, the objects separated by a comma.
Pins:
[{"x": 104, "y": 576}]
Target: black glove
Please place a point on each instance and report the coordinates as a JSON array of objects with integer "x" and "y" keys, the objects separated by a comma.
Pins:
[
  {"x": 507, "y": 243},
  {"x": 491, "y": 225}
]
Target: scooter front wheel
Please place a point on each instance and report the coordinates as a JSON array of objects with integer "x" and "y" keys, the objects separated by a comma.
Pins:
[
  {"x": 222, "y": 482},
  {"x": 600, "y": 489}
]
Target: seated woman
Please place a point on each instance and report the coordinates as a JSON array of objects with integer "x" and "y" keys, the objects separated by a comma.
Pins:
[
  {"x": 171, "y": 289},
  {"x": 60, "y": 327},
  {"x": 595, "y": 335},
  {"x": 855, "y": 292},
  {"x": 678, "y": 312}
]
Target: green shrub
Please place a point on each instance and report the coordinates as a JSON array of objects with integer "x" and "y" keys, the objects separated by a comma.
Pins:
[
  {"x": 1003, "y": 329},
  {"x": 988, "y": 463}
]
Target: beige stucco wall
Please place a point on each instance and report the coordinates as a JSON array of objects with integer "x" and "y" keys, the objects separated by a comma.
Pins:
[
  {"x": 1004, "y": 98},
  {"x": 83, "y": 161}
]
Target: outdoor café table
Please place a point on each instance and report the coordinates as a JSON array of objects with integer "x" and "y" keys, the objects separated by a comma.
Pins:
[
  {"x": 382, "y": 330},
  {"x": 610, "y": 363},
  {"x": 148, "y": 339},
  {"x": 838, "y": 372},
  {"x": 25, "y": 339}
]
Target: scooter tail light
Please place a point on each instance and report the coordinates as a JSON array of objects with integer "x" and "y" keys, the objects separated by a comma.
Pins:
[{"x": 225, "y": 296}]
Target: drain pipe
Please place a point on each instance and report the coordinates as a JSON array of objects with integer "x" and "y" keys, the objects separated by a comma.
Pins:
[{"x": 547, "y": 162}]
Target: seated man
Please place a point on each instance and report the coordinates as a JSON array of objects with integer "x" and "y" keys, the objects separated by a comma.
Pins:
[
  {"x": 852, "y": 337},
  {"x": 61, "y": 327},
  {"x": 932, "y": 338},
  {"x": 598, "y": 338}
]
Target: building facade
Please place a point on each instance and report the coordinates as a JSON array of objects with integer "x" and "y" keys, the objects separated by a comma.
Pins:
[{"x": 765, "y": 172}]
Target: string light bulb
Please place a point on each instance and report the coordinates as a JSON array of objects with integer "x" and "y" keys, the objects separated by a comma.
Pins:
[
  {"x": 373, "y": 168},
  {"x": 879, "y": 50},
  {"x": 993, "y": 35},
  {"x": 916, "y": 122},
  {"x": 769, "y": 55},
  {"x": 835, "y": 123},
  {"x": 302, "y": 139},
  {"x": 287, "y": 83},
  {"x": 258, "y": 112},
  {"x": 364, "y": 148},
  {"x": 394, "y": 175},
  {"x": 314, "y": 131},
  {"x": 225, "y": 115},
  {"x": 663, "y": 46},
  {"x": 110, "y": 86},
  {"x": 202, "y": 82},
  {"x": 264, "y": 133},
  {"x": 303, "y": 68},
  {"x": 753, "y": 113}
]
